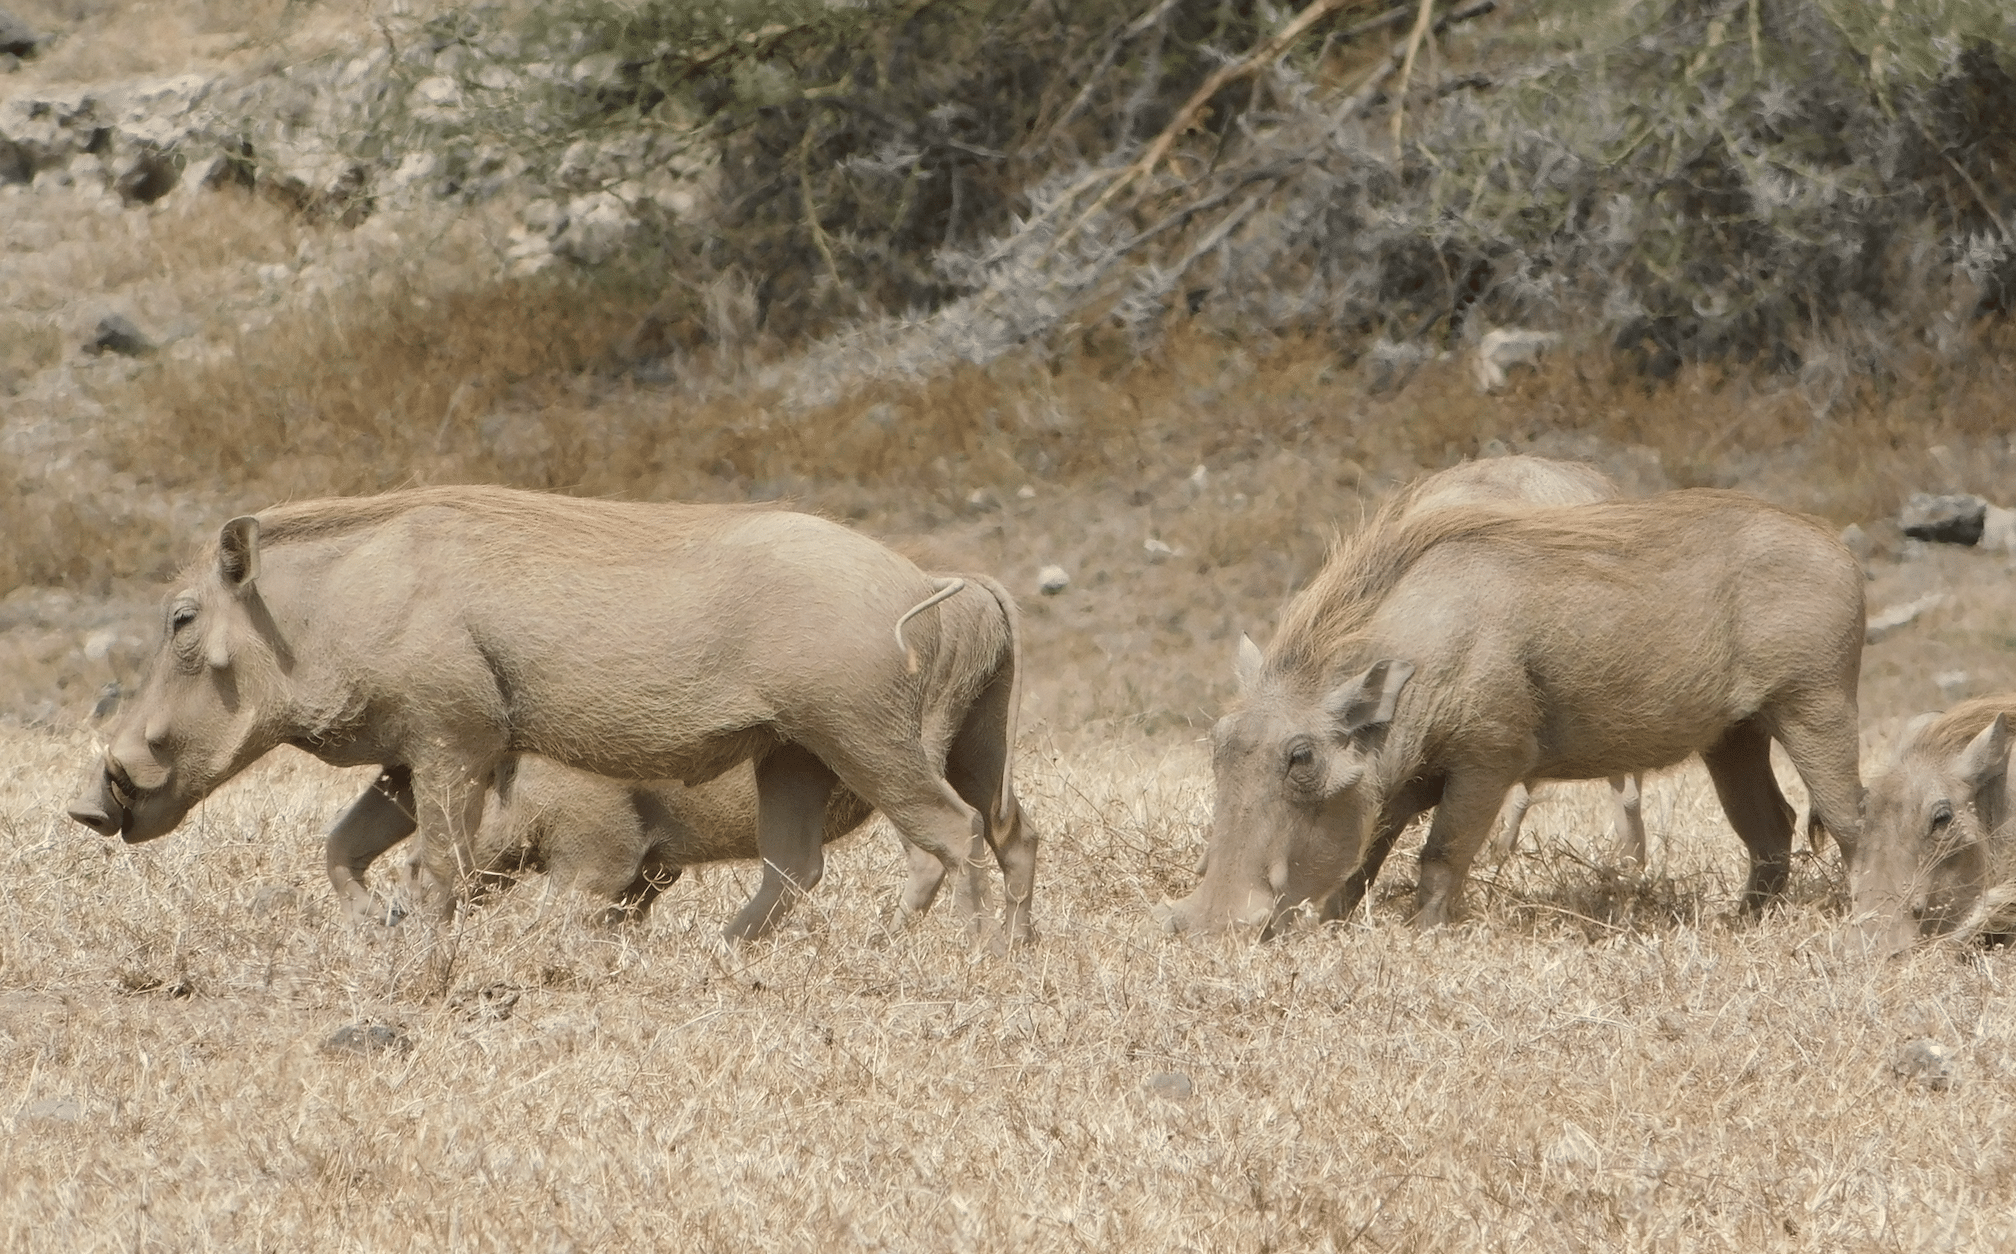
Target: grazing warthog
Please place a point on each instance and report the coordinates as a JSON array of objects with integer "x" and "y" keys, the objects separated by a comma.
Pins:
[
  {"x": 1442, "y": 656},
  {"x": 611, "y": 840},
  {"x": 1937, "y": 818},
  {"x": 440, "y": 629},
  {"x": 1521, "y": 480}
]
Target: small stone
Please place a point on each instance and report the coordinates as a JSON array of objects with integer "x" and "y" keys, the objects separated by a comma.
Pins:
[
  {"x": 1172, "y": 1085},
  {"x": 1888, "y": 619},
  {"x": 17, "y": 38},
  {"x": 1052, "y": 580},
  {"x": 365, "y": 1040},
  {"x": 1952, "y": 685},
  {"x": 980, "y": 500},
  {"x": 1157, "y": 551},
  {"x": 1925, "y": 1060},
  {"x": 1025, "y": 493},
  {"x": 1998, "y": 530},
  {"x": 1955, "y": 519},
  {"x": 1857, "y": 541},
  {"x": 439, "y": 91},
  {"x": 54, "y": 1110},
  {"x": 117, "y": 334}
]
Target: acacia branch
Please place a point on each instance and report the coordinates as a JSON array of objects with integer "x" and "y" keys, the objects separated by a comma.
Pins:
[{"x": 1260, "y": 58}]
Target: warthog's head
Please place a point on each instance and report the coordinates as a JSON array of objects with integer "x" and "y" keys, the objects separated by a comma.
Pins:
[
  {"x": 1922, "y": 863},
  {"x": 197, "y": 719},
  {"x": 1298, "y": 789}
]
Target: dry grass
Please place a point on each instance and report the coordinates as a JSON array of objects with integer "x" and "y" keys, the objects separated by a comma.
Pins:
[{"x": 1539, "y": 1077}]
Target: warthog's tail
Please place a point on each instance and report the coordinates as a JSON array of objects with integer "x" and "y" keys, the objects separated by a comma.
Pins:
[{"x": 946, "y": 588}]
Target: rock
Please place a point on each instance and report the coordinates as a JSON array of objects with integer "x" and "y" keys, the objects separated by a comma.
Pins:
[
  {"x": 364, "y": 1040},
  {"x": 1956, "y": 519},
  {"x": 1925, "y": 1061},
  {"x": 108, "y": 702},
  {"x": 1171, "y": 1085},
  {"x": 1025, "y": 493},
  {"x": 1157, "y": 551},
  {"x": 1952, "y": 685},
  {"x": 1998, "y": 530},
  {"x": 1052, "y": 580},
  {"x": 1886, "y": 621},
  {"x": 598, "y": 225},
  {"x": 52, "y": 1110},
  {"x": 17, "y": 38},
  {"x": 1857, "y": 541},
  {"x": 117, "y": 334},
  {"x": 436, "y": 92},
  {"x": 1504, "y": 348}
]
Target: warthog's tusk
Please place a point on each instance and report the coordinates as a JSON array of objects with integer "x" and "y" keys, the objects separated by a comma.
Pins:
[{"x": 946, "y": 588}]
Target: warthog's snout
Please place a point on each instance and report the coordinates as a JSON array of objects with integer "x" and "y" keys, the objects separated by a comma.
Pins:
[
  {"x": 107, "y": 804},
  {"x": 1260, "y": 914}
]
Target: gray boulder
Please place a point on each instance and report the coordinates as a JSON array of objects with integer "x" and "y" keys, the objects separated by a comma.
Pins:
[
  {"x": 1954, "y": 519},
  {"x": 17, "y": 38}
]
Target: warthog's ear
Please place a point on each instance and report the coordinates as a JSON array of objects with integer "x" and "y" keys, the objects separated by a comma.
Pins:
[
  {"x": 1986, "y": 757},
  {"x": 238, "y": 552},
  {"x": 1367, "y": 700},
  {"x": 1248, "y": 663}
]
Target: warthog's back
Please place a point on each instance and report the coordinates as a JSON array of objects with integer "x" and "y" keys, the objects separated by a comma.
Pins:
[
  {"x": 638, "y": 640},
  {"x": 1633, "y": 632},
  {"x": 1516, "y": 480}
]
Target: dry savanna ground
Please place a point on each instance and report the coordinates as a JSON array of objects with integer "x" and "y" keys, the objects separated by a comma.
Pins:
[{"x": 197, "y": 1053}]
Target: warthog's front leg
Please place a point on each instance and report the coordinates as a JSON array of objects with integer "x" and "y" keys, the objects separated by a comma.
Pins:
[
  {"x": 450, "y": 810},
  {"x": 1461, "y": 824},
  {"x": 791, "y": 790},
  {"x": 1740, "y": 766},
  {"x": 375, "y": 822}
]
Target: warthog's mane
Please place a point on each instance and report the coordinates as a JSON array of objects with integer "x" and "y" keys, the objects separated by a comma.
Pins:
[
  {"x": 1944, "y": 737},
  {"x": 533, "y": 511},
  {"x": 1325, "y": 622}
]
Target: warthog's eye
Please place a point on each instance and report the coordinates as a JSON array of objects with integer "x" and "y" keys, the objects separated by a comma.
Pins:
[
  {"x": 181, "y": 616},
  {"x": 1301, "y": 760},
  {"x": 1942, "y": 817}
]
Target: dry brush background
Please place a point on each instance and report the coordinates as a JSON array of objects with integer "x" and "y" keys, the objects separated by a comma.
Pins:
[{"x": 1585, "y": 1063}]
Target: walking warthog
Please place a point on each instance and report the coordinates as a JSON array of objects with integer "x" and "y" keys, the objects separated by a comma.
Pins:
[
  {"x": 440, "y": 629},
  {"x": 1938, "y": 819},
  {"x": 612, "y": 840},
  {"x": 1442, "y": 656}
]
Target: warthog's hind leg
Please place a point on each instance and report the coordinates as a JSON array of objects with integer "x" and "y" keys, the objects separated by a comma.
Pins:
[
  {"x": 1510, "y": 819},
  {"x": 1627, "y": 825},
  {"x": 791, "y": 790},
  {"x": 976, "y": 766},
  {"x": 375, "y": 822},
  {"x": 1740, "y": 765}
]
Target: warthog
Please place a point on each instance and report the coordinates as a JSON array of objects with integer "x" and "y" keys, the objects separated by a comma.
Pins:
[
  {"x": 1442, "y": 656},
  {"x": 616, "y": 841},
  {"x": 440, "y": 629},
  {"x": 1937, "y": 817}
]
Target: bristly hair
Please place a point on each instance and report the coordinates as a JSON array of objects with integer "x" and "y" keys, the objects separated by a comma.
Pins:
[
  {"x": 329, "y": 516},
  {"x": 1325, "y": 619},
  {"x": 1946, "y": 735}
]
